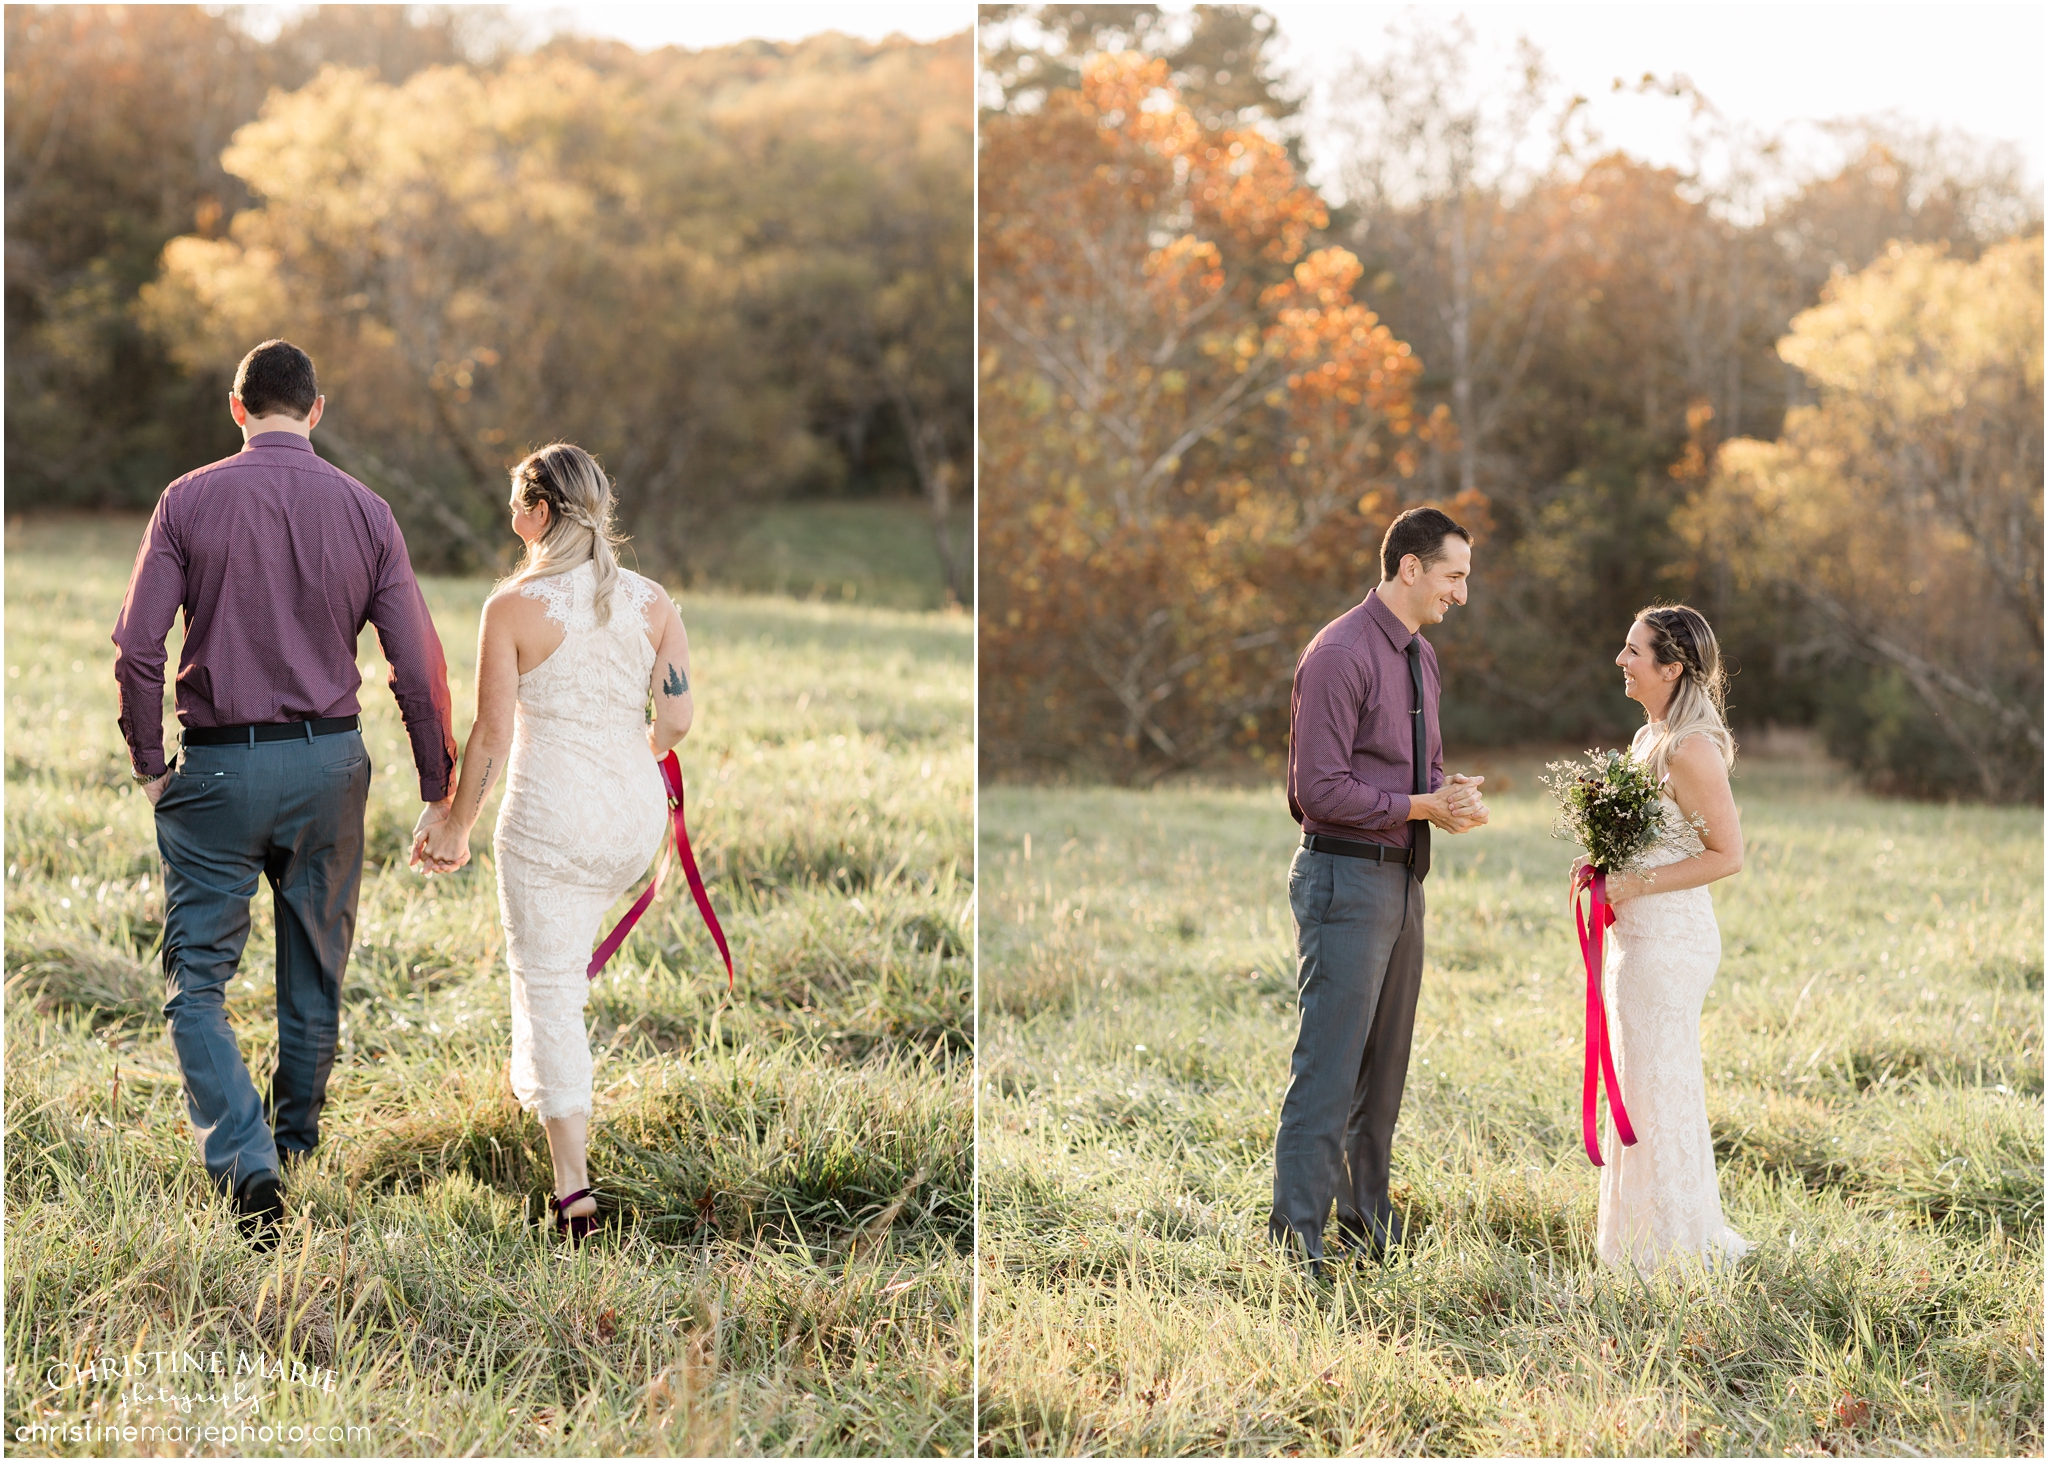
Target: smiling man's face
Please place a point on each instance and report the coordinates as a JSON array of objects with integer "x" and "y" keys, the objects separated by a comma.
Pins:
[{"x": 1442, "y": 584}]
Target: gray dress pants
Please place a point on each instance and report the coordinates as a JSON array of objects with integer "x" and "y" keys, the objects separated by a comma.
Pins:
[
  {"x": 292, "y": 813},
  {"x": 1358, "y": 939}
]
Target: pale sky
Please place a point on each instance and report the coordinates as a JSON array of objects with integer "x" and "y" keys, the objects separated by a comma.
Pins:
[
  {"x": 1978, "y": 68},
  {"x": 699, "y": 26}
]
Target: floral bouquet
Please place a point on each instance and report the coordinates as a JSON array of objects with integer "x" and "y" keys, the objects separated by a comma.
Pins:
[{"x": 1608, "y": 803}]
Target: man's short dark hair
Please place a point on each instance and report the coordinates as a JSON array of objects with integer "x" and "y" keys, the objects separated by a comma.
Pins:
[
  {"x": 276, "y": 378},
  {"x": 1420, "y": 531}
]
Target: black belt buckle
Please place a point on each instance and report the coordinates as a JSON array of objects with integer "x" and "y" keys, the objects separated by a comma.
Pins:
[
  {"x": 1344, "y": 848},
  {"x": 249, "y": 735}
]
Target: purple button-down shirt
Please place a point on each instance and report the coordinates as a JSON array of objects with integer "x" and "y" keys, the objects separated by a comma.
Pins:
[
  {"x": 1351, "y": 742},
  {"x": 278, "y": 559}
]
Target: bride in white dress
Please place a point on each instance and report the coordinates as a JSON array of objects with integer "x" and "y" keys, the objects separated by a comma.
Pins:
[
  {"x": 1659, "y": 1199},
  {"x": 571, "y": 651}
]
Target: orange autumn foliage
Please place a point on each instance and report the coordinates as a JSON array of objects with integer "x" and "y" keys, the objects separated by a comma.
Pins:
[{"x": 1192, "y": 432}]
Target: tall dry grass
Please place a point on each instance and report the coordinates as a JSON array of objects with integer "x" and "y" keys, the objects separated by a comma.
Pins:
[
  {"x": 1874, "y": 1076},
  {"x": 785, "y": 1175}
]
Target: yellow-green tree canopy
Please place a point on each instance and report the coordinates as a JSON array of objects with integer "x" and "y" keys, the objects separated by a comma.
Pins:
[
  {"x": 1902, "y": 512},
  {"x": 713, "y": 280}
]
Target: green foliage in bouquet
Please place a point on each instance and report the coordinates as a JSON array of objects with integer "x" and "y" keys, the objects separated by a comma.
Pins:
[{"x": 1608, "y": 803}]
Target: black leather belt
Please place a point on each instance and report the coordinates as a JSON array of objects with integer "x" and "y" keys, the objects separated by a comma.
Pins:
[
  {"x": 270, "y": 731},
  {"x": 1343, "y": 848}
]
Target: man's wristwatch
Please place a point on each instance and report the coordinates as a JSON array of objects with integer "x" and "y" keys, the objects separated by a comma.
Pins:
[{"x": 142, "y": 779}]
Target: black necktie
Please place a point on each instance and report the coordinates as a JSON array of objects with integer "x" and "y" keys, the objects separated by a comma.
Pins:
[{"x": 1421, "y": 755}]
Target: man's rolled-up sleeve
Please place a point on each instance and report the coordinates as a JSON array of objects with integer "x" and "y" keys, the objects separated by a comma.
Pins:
[
  {"x": 419, "y": 668},
  {"x": 1330, "y": 691},
  {"x": 156, "y": 587}
]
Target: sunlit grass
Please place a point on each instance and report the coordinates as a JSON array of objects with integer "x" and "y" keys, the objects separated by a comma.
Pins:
[
  {"x": 786, "y": 1172},
  {"x": 1873, "y": 1045},
  {"x": 875, "y": 551}
]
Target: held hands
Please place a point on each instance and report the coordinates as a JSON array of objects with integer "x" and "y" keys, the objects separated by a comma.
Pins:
[
  {"x": 1457, "y": 807},
  {"x": 440, "y": 844}
]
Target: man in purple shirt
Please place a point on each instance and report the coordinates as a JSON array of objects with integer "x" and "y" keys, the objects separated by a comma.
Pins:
[
  {"x": 1365, "y": 781},
  {"x": 277, "y": 561}
]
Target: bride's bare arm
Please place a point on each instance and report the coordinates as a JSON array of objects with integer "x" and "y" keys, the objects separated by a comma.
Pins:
[
  {"x": 446, "y": 845},
  {"x": 1699, "y": 785},
  {"x": 670, "y": 683}
]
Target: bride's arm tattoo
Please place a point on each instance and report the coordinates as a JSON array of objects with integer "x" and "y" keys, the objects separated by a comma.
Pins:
[
  {"x": 676, "y": 684},
  {"x": 484, "y": 782}
]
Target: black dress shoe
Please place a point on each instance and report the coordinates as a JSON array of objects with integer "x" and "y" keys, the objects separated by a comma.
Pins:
[{"x": 260, "y": 1202}]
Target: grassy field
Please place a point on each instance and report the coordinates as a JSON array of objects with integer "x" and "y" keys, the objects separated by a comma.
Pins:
[
  {"x": 786, "y": 1175},
  {"x": 872, "y": 551},
  {"x": 1873, "y": 1045}
]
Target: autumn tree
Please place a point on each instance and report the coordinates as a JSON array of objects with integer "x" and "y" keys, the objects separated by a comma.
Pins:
[
  {"x": 116, "y": 119},
  {"x": 1901, "y": 516},
  {"x": 1221, "y": 59},
  {"x": 479, "y": 265},
  {"x": 391, "y": 41},
  {"x": 1192, "y": 431},
  {"x": 1435, "y": 158},
  {"x": 1597, "y": 327},
  {"x": 605, "y": 249},
  {"x": 115, "y": 122},
  {"x": 862, "y": 174},
  {"x": 743, "y": 273}
]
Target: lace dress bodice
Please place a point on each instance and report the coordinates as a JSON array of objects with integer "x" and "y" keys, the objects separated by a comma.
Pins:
[
  {"x": 1687, "y": 910},
  {"x": 579, "y": 737},
  {"x": 594, "y": 686}
]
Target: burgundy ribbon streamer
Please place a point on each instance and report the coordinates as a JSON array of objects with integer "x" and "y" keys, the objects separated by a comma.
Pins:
[
  {"x": 1599, "y": 1055},
  {"x": 672, "y": 774}
]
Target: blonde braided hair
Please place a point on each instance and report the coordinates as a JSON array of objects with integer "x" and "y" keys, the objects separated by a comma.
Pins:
[
  {"x": 1681, "y": 636},
  {"x": 580, "y": 529}
]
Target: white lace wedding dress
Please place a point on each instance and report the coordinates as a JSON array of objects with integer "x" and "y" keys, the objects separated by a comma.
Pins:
[
  {"x": 583, "y": 816},
  {"x": 1659, "y": 1199}
]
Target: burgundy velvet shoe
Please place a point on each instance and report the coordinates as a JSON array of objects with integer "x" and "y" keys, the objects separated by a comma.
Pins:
[{"x": 580, "y": 1227}]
